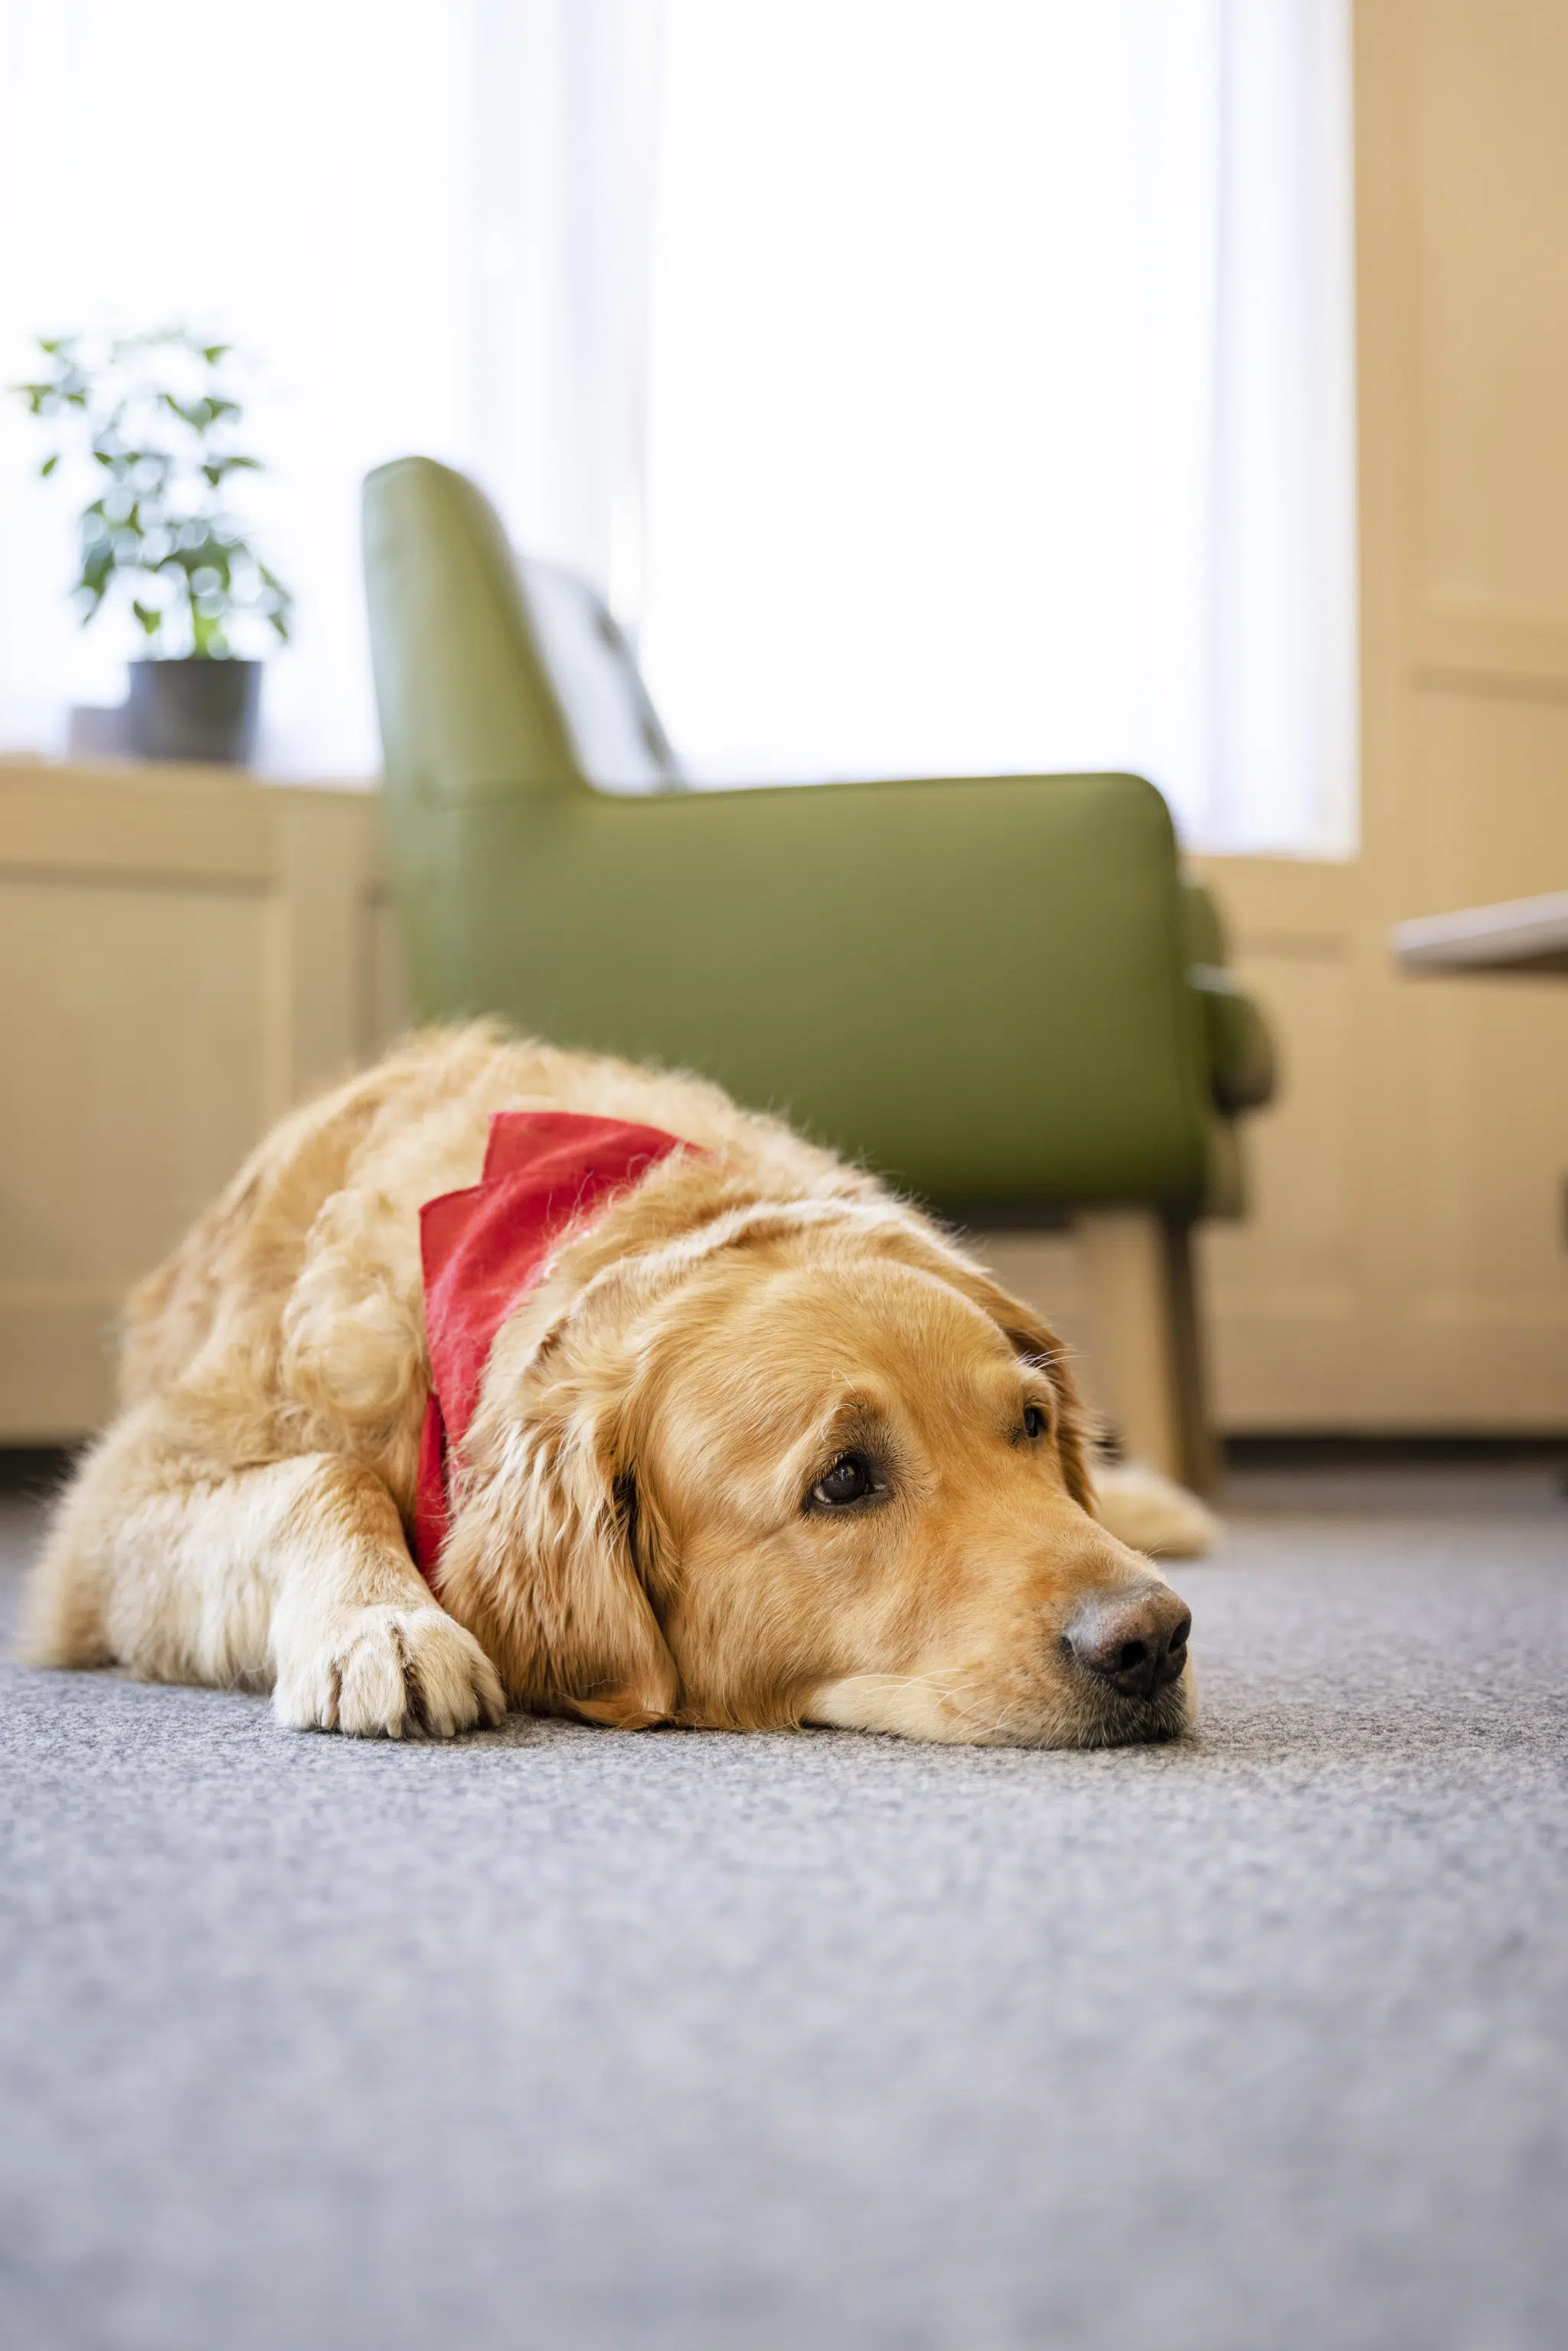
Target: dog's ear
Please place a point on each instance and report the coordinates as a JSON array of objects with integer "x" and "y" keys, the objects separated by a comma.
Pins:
[{"x": 541, "y": 1566}]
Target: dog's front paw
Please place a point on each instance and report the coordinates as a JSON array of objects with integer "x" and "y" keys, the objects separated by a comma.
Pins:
[{"x": 388, "y": 1671}]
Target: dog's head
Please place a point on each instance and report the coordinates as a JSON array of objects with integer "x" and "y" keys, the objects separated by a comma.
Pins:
[{"x": 807, "y": 1463}]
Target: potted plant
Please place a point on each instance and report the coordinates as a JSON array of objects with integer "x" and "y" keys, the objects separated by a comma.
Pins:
[{"x": 149, "y": 421}]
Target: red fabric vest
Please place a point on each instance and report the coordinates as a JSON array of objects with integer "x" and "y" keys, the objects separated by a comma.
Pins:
[{"x": 484, "y": 1249}]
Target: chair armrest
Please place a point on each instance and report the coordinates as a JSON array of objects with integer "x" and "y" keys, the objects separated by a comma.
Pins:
[
  {"x": 978, "y": 985},
  {"x": 1241, "y": 1064},
  {"x": 1242, "y": 1072}
]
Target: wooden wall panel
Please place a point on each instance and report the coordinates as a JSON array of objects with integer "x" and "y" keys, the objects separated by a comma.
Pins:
[
  {"x": 1491, "y": 228},
  {"x": 1405, "y": 1267}
]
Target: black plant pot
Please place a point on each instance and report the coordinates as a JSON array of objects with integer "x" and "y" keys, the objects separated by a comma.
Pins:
[{"x": 194, "y": 709}]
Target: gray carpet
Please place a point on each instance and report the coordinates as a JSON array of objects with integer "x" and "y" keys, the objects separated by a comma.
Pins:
[{"x": 561, "y": 2038}]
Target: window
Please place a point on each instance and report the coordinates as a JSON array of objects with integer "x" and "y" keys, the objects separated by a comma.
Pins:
[{"x": 935, "y": 385}]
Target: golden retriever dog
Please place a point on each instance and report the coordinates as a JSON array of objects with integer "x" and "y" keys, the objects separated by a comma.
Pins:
[{"x": 759, "y": 1446}]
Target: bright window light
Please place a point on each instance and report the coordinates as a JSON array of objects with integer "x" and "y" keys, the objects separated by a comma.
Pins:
[
  {"x": 1001, "y": 398},
  {"x": 936, "y": 386}
]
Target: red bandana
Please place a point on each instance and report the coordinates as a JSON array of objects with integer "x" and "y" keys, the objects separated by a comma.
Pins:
[{"x": 484, "y": 1249}]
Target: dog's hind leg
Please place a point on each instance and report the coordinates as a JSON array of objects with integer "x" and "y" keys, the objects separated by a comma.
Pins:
[
  {"x": 295, "y": 1576},
  {"x": 66, "y": 1617}
]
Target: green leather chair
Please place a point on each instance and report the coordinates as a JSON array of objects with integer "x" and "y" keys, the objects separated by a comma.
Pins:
[{"x": 999, "y": 990}]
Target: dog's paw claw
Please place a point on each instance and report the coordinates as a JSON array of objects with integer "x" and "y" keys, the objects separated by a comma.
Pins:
[{"x": 391, "y": 1672}]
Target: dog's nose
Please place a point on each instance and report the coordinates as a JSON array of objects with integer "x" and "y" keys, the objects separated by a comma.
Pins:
[{"x": 1134, "y": 1640}]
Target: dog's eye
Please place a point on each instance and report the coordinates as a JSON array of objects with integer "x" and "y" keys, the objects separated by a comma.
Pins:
[
  {"x": 1036, "y": 1421},
  {"x": 848, "y": 1481}
]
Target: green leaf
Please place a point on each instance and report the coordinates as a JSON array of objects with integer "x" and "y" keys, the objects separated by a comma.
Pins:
[
  {"x": 216, "y": 468},
  {"x": 151, "y": 618},
  {"x": 48, "y": 467}
]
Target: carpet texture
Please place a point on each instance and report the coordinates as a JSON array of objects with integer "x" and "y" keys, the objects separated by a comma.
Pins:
[{"x": 562, "y": 2038}]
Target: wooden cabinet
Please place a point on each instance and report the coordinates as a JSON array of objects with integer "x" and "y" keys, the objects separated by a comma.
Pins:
[{"x": 183, "y": 953}]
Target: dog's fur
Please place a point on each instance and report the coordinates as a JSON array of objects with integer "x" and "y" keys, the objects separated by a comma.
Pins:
[{"x": 633, "y": 1537}]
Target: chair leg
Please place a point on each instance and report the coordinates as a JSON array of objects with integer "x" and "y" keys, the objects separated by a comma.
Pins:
[
  {"x": 1199, "y": 1447},
  {"x": 1146, "y": 1311}
]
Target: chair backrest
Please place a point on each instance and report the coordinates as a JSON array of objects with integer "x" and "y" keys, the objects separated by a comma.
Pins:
[{"x": 490, "y": 675}]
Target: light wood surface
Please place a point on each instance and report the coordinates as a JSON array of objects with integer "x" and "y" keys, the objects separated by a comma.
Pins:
[
  {"x": 183, "y": 953},
  {"x": 1149, "y": 1358},
  {"x": 1135, "y": 1371}
]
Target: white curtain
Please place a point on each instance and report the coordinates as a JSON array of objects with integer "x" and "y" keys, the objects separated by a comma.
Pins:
[
  {"x": 288, "y": 174},
  {"x": 940, "y": 385},
  {"x": 1001, "y": 413},
  {"x": 428, "y": 219},
  {"x": 564, "y": 159}
]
